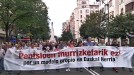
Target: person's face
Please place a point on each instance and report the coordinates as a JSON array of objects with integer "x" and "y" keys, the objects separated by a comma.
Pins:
[
  {"x": 28, "y": 45},
  {"x": 126, "y": 41},
  {"x": 36, "y": 45},
  {"x": 72, "y": 42},
  {"x": 89, "y": 39},
  {"x": 61, "y": 42},
  {"x": 17, "y": 46},
  {"x": 81, "y": 44},
  {"x": 23, "y": 43},
  {"x": 32, "y": 45},
  {"x": 44, "y": 43},
  {"x": 48, "y": 43},
  {"x": 115, "y": 41},
  {"x": 9, "y": 45},
  {"x": 53, "y": 44},
  {"x": 102, "y": 41}
]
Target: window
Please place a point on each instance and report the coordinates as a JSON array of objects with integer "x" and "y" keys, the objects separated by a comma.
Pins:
[
  {"x": 102, "y": 1},
  {"x": 83, "y": 2},
  {"x": 80, "y": 20},
  {"x": 102, "y": 10},
  {"x": 91, "y": 7},
  {"x": 110, "y": 3},
  {"x": 129, "y": 7},
  {"x": 83, "y": 6},
  {"x": 122, "y": 1},
  {"x": 80, "y": 11},
  {"x": 97, "y": 11},
  {"x": 87, "y": 15},
  {"x": 87, "y": 11},
  {"x": 112, "y": 13},
  {"x": 121, "y": 10},
  {"x": 91, "y": 11},
  {"x": 96, "y": 7},
  {"x": 80, "y": 16}
]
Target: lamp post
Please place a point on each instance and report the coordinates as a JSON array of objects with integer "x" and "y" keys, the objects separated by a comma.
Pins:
[
  {"x": 70, "y": 30},
  {"x": 107, "y": 5},
  {"x": 78, "y": 32}
]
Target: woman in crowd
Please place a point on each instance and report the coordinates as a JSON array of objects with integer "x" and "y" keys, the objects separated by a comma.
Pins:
[
  {"x": 80, "y": 44},
  {"x": 70, "y": 45}
]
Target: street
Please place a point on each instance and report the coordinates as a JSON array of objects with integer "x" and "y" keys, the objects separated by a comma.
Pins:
[{"x": 97, "y": 71}]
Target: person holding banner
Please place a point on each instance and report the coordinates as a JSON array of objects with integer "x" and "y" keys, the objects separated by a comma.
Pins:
[
  {"x": 46, "y": 48},
  {"x": 125, "y": 44},
  {"x": 33, "y": 47},
  {"x": 90, "y": 43},
  {"x": 18, "y": 48},
  {"x": 61, "y": 45},
  {"x": 115, "y": 43},
  {"x": 70, "y": 45},
  {"x": 2, "y": 53},
  {"x": 37, "y": 46},
  {"x": 102, "y": 43},
  {"x": 23, "y": 45},
  {"x": 40, "y": 45},
  {"x": 80, "y": 44},
  {"x": 56, "y": 48},
  {"x": 8, "y": 46}
]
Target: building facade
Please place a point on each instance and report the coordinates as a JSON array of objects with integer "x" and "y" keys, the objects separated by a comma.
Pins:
[
  {"x": 65, "y": 26},
  {"x": 83, "y": 9},
  {"x": 126, "y": 6},
  {"x": 112, "y": 8},
  {"x": 78, "y": 16},
  {"x": 117, "y": 7}
]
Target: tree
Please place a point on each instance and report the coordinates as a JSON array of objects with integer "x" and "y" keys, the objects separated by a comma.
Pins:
[
  {"x": 121, "y": 26},
  {"x": 66, "y": 36},
  {"x": 24, "y": 16},
  {"x": 129, "y": 23},
  {"x": 93, "y": 26},
  {"x": 117, "y": 27}
]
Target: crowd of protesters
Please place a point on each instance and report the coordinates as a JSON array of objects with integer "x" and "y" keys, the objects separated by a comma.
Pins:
[{"x": 50, "y": 46}]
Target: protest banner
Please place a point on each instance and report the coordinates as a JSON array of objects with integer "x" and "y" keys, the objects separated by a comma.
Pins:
[{"x": 87, "y": 56}]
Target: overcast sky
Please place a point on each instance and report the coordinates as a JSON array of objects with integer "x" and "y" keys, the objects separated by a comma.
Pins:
[{"x": 60, "y": 11}]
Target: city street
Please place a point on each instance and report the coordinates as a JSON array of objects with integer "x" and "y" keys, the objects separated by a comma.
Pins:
[
  {"x": 46, "y": 37},
  {"x": 97, "y": 71}
]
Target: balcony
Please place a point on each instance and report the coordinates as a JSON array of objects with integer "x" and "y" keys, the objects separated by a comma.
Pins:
[
  {"x": 129, "y": 7},
  {"x": 128, "y": 1}
]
